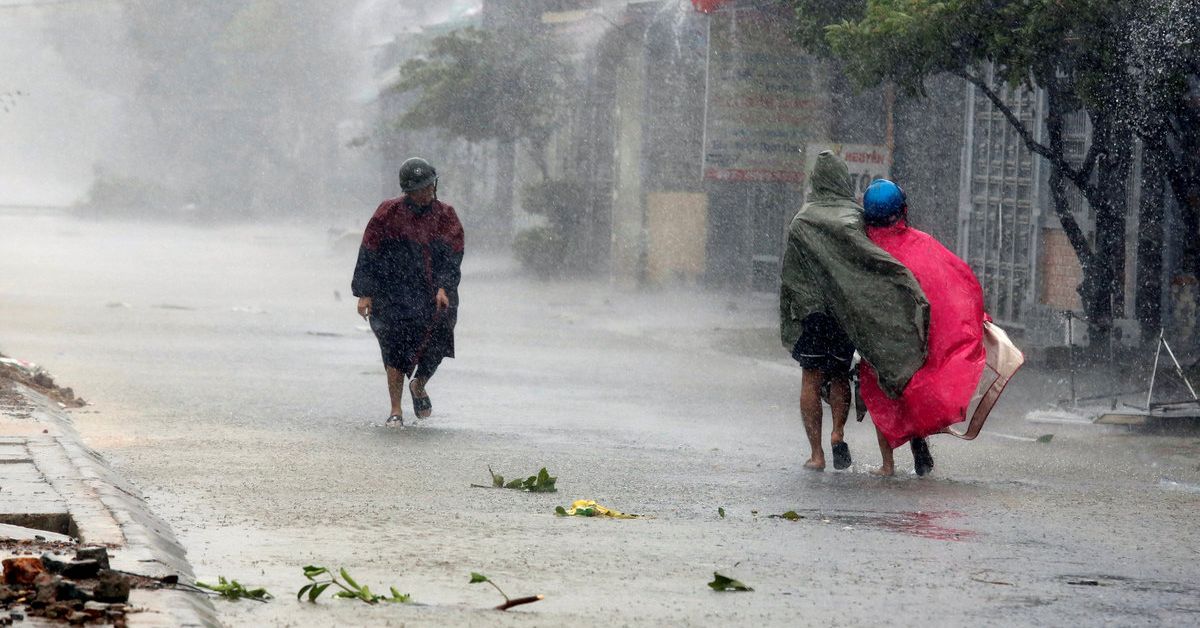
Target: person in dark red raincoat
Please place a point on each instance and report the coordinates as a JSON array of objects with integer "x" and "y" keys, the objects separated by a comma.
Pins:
[
  {"x": 940, "y": 392},
  {"x": 407, "y": 275}
]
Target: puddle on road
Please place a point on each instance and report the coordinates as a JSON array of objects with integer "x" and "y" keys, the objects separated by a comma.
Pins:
[
  {"x": 1133, "y": 584},
  {"x": 926, "y": 525},
  {"x": 1182, "y": 487}
]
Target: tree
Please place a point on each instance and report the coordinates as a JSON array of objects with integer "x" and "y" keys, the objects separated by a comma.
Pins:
[
  {"x": 233, "y": 104},
  {"x": 485, "y": 86},
  {"x": 1164, "y": 45},
  {"x": 479, "y": 86},
  {"x": 1077, "y": 52}
]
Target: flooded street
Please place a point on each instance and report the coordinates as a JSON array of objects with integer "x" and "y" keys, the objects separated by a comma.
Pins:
[{"x": 231, "y": 380}]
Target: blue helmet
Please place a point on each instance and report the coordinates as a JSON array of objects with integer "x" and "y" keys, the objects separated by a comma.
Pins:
[{"x": 883, "y": 203}]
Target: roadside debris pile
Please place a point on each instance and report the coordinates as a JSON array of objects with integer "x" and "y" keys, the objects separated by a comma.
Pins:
[
  {"x": 37, "y": 378},
  {"x": 81, "y": 590}
]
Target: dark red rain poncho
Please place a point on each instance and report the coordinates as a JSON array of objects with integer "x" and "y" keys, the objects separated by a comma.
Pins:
[
  {"x": 407, "y": 254},
  {"x": 940, "y": 392}
]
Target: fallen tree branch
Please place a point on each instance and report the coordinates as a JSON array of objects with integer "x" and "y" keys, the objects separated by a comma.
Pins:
[{"x": 519, "y": 601}]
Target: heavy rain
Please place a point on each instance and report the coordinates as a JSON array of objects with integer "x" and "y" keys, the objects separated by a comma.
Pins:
[{"x": 765, "y": 312}]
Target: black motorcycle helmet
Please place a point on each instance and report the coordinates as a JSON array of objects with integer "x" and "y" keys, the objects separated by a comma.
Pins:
[{"x": 417, "y": 174}]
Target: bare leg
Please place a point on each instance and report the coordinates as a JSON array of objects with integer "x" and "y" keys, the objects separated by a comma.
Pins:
[
  {"x": 810, "y": 411},
  {"x": 839, "y": 403},
  {"x": 888, "y": 468},
  {"x": 395, "y": 380}
]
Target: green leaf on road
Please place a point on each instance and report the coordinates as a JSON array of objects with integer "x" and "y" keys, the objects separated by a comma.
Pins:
[
  {"x": 1045, "y": 438},
  {"x": 346, "y": 576},
  {"x": 721, "y": 511},
  {"x": 476, "y": 578},
  {"x": 316, "y": 591},
  {"x": 725, "y": 583},
  {"x": 398, "y": 597},
  {"x": 560, "y": 511},
  {"x": 312, "y": 571},
  {"x": 233, "y": 590},
  {"x": 543, "y": 482},
  {"x": 790, "y": 515}
]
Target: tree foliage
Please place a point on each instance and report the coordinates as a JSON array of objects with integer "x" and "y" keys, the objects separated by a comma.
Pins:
[
  {"x": 1081, "y": 53},
  {"x": 233, "y": 104},
  {"x": 479, "y": 86}
]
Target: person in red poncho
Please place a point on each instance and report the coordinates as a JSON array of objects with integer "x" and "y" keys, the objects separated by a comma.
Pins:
[
  {"x": 940, "y": 392},
  {"x": 406, "y": 280}
]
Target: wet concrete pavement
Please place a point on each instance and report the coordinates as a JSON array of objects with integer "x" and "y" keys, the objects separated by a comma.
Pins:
[{"x": 247, "y": 402}]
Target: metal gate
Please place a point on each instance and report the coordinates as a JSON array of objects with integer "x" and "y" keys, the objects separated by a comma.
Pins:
[{"x": 999, "y": 196}]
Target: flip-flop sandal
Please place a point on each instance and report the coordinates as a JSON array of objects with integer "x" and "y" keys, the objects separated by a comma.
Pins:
[
  {"x": 922, "y": 458},
  {"x": 394, "y": 421},
  {"x": 422, "y": 406},
  {"x": 841, "y": 456}
]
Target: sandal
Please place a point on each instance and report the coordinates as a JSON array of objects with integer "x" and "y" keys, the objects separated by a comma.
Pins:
[
  {"x": 422, "y": 406},
  {"x": 395, "y": 420},
  {"x": 922, "y": 458},
  {"x": 841, "y": 456}
]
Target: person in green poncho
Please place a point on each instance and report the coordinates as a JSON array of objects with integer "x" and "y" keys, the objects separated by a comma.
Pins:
[{"x": 840, "y": 293}]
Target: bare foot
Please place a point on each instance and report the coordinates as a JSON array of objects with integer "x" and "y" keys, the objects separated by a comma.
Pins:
[
  {"x": 815, "y": 464},
  {"x": 884, "y": 472}
]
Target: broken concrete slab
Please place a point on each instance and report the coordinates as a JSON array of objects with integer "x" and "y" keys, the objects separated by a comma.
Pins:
[
  {"x": 23, "y": 533},
  {"x": 54, "y": 490}
]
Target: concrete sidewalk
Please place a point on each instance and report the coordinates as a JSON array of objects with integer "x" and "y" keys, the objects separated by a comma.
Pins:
[{"x": 51, "y": 482}]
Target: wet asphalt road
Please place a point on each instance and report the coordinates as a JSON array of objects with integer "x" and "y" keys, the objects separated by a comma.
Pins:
[{"x": 246, "y": 402}]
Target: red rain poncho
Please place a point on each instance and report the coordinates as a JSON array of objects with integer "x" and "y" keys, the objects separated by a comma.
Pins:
[{"x": 940, "y": 392}]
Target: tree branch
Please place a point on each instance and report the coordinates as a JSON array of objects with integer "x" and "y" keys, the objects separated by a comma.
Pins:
[
  {"x": 1077, "y": 177},
  {"x": 519, "y": 601},
  {"x": 1089, "y": 160},
  {"x": 1075, "y": 235}
]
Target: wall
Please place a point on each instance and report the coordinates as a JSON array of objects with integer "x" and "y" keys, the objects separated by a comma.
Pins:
[
  {"x": 628, "y": 214},
  {"x": 676, "y": 225},
  {"x": 929, "y": 137},
  {"x": 1061, "y": 272}
]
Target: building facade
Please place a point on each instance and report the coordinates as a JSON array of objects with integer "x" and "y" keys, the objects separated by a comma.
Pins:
[{"x": 1010, "y": 235}]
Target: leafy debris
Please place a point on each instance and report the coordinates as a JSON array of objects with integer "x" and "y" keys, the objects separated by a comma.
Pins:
[
  {"x": 234, "y": 590},
  {"x": 543, "y": 482},
  {"x": 350, "y": 589},
  {"x": 725, "y": 583},
  {"x": 477, "y": 578},
  {"x": 589, "y": 508}
]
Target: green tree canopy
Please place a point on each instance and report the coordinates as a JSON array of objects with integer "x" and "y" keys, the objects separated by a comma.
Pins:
[
  {"x": 1080, "y": 52},
  {"x": 479, "y": 86}
]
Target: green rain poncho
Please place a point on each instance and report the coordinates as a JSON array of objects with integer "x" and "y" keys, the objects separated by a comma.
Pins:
[{"x": 831, "y": 266}]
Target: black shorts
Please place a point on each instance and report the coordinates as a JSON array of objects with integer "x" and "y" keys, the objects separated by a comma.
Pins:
[
  {"x": 401, "y": 342},
  {"x": 823, "y": 345}
]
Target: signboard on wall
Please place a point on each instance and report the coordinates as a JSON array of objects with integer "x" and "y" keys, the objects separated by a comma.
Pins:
[
  {"x": 708, "y": 6},
  {"x": 866, "y": 162},
  {"x": 766, "y": 99}
]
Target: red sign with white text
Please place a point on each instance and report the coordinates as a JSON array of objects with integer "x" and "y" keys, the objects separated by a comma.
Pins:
[{"x": 708, "y": 6}]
